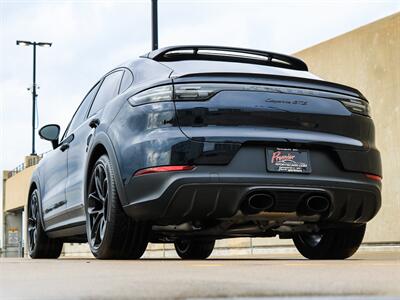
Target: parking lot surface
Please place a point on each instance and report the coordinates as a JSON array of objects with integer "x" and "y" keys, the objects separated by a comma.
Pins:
[{"x": 372, "y": 275}]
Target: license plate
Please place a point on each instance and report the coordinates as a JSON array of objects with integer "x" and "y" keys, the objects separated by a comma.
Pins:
[{"x": 285, "y": 160}]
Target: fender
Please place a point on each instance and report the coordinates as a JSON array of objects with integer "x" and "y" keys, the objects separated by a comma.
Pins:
[{"x": 101, "y": 138}]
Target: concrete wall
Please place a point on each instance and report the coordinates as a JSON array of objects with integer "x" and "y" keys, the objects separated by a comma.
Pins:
[
  {"x": 17, "y": 188},
  {"x": 368, "y": 59},
  {"x": 3, "y": 197}
]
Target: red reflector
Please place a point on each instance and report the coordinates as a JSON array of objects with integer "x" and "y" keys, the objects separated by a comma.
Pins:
[
  {"x": 374, "y": 177},
  {"x": 163, "y": 169}
]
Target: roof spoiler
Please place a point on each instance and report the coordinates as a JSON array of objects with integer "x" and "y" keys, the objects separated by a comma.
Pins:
[{"x": 221, "y": 53}]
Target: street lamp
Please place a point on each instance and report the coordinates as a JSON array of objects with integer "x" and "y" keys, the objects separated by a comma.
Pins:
[
  {"x": 34, "y": 44},
  {"x": 154, "y": 25}
]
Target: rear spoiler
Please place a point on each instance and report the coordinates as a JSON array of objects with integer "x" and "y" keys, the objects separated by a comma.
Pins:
[{"x": 231, "y": 54}]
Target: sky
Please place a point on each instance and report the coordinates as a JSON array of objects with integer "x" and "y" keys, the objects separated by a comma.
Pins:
[{"x": 91, "y": 37}]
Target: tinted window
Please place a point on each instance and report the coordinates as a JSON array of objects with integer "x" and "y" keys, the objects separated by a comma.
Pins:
[
  {"x": 127, "y": 80},
  {"x": 108, "y": 90},
  {"x": 80, "y": 113}
]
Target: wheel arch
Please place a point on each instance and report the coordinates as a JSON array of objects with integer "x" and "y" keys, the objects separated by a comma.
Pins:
[
  {"x": 35, "y": 185},
  {"x": 102, "y": 145}
]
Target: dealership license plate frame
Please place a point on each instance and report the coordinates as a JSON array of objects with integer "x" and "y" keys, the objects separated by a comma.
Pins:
[{"x": 289, "y": 160}]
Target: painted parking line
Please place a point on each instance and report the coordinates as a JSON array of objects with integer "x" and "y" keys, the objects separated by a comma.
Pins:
[
  {"x": 363, "y": 264},
  {"x": 306, "y": 298},
  {"x": 206, "y": 265},
  {"x": 306, "y": 264}
]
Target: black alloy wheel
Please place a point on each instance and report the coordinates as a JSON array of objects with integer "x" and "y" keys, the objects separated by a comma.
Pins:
[
  {"x": 194, "y": 249},
  {"x": 97, "y": 205},
  {"x": 33, "y": 217},
  {"x": 332, "y": 243},
  {"x": 110, "y": 232},
  {"x": 312, "y": 239},
  {"x": 39, "y": 244}
]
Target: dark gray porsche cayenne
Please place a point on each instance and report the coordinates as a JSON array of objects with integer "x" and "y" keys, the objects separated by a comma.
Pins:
[{"x": 190, "y": 144}]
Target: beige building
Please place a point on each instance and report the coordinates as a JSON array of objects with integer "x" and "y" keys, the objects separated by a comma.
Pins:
[
  {"x": 15, "y": 195},
  {"x": 367, "y": 58}
]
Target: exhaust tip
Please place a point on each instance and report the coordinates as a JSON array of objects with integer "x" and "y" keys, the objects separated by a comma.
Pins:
[
  {"x": 257, "y": 202},
  {"x": 317, "y": 204}
]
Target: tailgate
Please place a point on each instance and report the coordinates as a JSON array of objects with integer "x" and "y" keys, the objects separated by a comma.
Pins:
[{"x": 245, "y": 112}]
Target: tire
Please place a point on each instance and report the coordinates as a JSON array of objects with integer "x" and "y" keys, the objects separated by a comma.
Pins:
[
  {"x": 111, "y": 233},
  {"x": 39, "y": 244},
  {"x": 194, "y": 249},
  {"x": 336, "y": 243}
]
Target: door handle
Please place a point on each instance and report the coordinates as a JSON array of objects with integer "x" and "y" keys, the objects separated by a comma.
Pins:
[
  {"x": 94, "y": 123},
  {"x": 64, "y": 147},
  {"x": 65, "y": 143},
  {"x": 89, "y": 138}
]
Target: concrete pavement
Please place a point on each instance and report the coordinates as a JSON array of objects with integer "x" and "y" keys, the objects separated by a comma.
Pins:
[{"x": 372, "y": 274}]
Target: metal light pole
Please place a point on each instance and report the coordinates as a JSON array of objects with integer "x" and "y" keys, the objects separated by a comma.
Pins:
[
  {"x": 34, "y": 95},
  {"x": 154, "y": 25}
]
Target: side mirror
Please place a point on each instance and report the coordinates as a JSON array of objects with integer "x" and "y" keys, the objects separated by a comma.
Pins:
[{"x": 50, "y": 133}]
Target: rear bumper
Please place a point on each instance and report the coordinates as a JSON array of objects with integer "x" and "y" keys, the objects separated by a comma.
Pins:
[
  {"x": 212, "y": 192},
  {"x": 191, "y": 200}
]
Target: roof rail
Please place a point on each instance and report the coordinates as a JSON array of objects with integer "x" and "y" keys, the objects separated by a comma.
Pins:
[{"x": 221, "y": 53}]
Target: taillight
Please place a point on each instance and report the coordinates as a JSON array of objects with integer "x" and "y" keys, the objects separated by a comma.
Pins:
[
  {"x": 156, "y": 94},
  {"x": 374, "y": 177},
  {"x": 204, "y": 91},
  {"x": 198, "y": 92},
  {"x": 163, "y": 169},
  {"x": 357, "y": 106}
]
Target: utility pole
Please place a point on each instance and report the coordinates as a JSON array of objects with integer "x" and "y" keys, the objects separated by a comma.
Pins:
[
  {"x": 34, "y": 95},
  {"x": 154, "y": 25}
]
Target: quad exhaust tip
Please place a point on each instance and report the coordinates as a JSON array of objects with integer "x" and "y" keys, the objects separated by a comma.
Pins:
[
  {"x": 263, "y": 201},
  {"x": 257, "y": 202},
  {"x": 317, "y": 204}
]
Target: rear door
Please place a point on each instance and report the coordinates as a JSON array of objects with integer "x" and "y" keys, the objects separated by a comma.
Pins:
[
  {"x": 94, "y": 102},
  {"x": 73, "y": 161}
]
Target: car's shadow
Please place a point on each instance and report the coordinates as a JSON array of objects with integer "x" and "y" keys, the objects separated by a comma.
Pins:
[{"x": 215, "y": 259}]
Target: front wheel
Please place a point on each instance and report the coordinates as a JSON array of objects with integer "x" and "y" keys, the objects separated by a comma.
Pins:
[
  {"x": 111, "y": 233},
  {"x": 194, "y": 249},
  {"x": 40, "y": 245},
  {"x": 333, "y": 243}
]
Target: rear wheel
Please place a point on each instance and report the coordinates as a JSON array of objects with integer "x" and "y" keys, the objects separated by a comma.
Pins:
[
  {"x": 194, "y": 249},
  {"x": 40, "y": 245},
  {"x": 111, "y": 233},
  {"x": 334, "y": 243}
]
